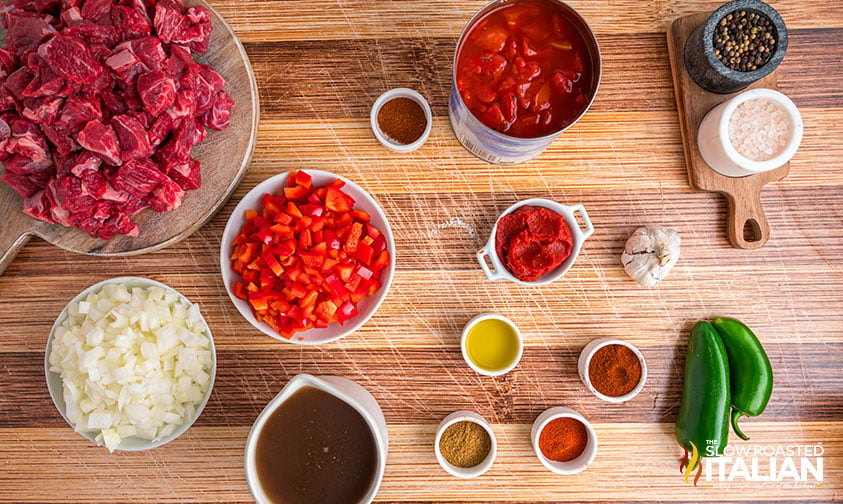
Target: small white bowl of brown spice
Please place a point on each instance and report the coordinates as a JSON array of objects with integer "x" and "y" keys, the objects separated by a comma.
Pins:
[
  {"x": 465, "y": 444},
  {"x": 401, "y": 119},
  {"x": 612, "y": 369}
]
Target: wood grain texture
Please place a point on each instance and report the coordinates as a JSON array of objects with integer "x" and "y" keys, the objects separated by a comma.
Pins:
[
  {"x": 319, "y": 66},
  {"x": 224, "y": 156}
]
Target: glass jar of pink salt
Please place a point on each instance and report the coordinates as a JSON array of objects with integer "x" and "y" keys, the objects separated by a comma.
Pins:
[{"x": 756, "y": 131}]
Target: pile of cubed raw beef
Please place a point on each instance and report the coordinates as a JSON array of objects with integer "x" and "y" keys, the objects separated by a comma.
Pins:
[{"x": 100, "y": 105}]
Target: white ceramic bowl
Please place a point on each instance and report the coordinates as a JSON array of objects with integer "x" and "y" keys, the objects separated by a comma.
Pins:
[
  {"x": 717, "y": 149},
  {"x": 465, "y": 472},
  {"x": 572, "y": 466},
  {"x": 400, "y": 93},
  {"x": 55, "y": 383},
  {"x": 348, "y": 391},
  {"x": 499, "y": 272},
  {"x": 366, "y": 308},
  {"x": 485, "y": 316},
  {"x": 585, "y": 360}
]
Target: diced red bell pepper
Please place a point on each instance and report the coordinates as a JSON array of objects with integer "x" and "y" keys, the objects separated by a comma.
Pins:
[
  {"x": 305, "y": 257},
  {"x": 336, "y": 200},
  {"x": 258, "y": 301},
  {"x": 346, "y": 311},
  {"x": 364, "y": 253},
  {"x": 296, "y": 193}
]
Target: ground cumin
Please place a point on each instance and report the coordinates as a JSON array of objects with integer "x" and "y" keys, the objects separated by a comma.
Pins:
[
  {"x": 614, "y": 370},
  {"x": 465, "y": 444},
  {"x": 563, "y": 439},
  {"x": 402, "y": 120}
]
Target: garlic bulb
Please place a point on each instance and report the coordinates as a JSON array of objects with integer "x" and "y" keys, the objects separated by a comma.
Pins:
[{"x": 650, "y": 254}]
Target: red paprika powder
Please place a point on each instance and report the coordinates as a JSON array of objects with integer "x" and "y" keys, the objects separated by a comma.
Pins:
[
  {"x": 614, "y": 370},
  {"x": 563, "y": 439}
]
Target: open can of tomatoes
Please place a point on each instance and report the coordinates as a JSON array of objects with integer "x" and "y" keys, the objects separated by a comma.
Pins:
[{"x": 524, "y": 72}]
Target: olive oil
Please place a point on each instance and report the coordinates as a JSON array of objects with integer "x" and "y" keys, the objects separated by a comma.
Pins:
[
  {"x": 315, "y": 447},
  {"x": 492, "y": 344}
]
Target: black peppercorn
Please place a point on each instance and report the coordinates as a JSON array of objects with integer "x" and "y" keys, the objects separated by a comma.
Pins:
[{"x": 744, "y": 40}]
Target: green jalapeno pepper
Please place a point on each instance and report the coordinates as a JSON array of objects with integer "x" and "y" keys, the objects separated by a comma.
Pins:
[
  {"x": 750, "y": 372},
  {"x": 703, "y": 423}
]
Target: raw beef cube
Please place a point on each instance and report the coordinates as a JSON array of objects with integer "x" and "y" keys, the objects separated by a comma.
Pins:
[
  {"x": 185, "y": 105},
  {"x": 94, "y": 33},
  {"x": 7, "y": 62},
  {"x": 121, "y": 223},
  {"x": 177, "y": 149},
  {"x": 166, "y": 197},
  {"x": 138, "y": 177},
  {"x": 98, "y": 11},
  {"x": 59, "y": 215},
  {"x": 135, "y": 205},
  {"x": 176, "y": 24},
  {"x": 218, "y": 117},
  {"x": 208, "y": 84},
  {"x": 28, "y": 141},
  {"x": 126, "y": 65},
  {"x": 71, "y": 16},
  {"x": 186, "y": 174},
  {"x": 23, "y": 184},
  {"x": 38, "y": 207},
  {"x": 115, "y": 102},
  {"x": 18, "y": 81},
  {"x": 85, "y": 162},
  {"x": 148, "y": 49},
  {"x": 70, "y": 196},
  {"x": 27, "y": 30},
  {"x": 46, "y": 83},
  {"x": 77, "y": 111},
  {"x": 132, "y": 136},
  {"x": 101, "y": 139},
  {"x": 160, "y": 129},
  {"x": 22, "y": 165},
  {"x": 93, "y": 184},
  {"x": 42, "y": 110},
  {"x": 114, "y": 195},
  {"x": 37, "y": 5},
  {"x": 129, "y": 23},
  {"x": 69, "y": 57},
  {"x": 60, "y": 137},
  {"x": 157, "y": 91},
  {"x": 142, "y": 7}
]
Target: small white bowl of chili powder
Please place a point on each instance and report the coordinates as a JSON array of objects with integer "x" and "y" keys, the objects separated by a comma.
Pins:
[
  {"x": 563, "y": 440},
  {"x": 612, "y": 369},
  {"x": 401, "y": 119}
]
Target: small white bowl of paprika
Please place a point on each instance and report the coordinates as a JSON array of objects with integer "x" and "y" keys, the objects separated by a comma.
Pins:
[
  {"x": 612, "y": 369},
  {"x": 401, "y": 119},
  {"x": 563, "y": 440}
]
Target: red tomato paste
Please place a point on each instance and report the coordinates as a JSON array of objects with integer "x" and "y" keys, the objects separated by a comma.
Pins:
[
  {"x": 523, "y": 69},
  {"x": 532, "y": 241}
]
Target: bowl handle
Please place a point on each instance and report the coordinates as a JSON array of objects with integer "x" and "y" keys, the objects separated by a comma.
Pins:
[
  {"x": 589, "y": 229},
  {"x": 482, "y": 255}
]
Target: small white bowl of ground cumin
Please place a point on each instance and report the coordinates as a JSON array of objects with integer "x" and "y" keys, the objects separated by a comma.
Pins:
[
  {"x": 401, "y": 119},
  {"x": 465, "y": 444},
  {"x": 612, "y": 369}
]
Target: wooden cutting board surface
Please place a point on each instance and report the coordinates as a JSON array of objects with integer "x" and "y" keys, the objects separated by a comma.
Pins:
[{"x": 319, "y": 66}]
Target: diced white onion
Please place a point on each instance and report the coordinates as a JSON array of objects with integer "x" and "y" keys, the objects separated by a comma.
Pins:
[{"x": 134, "y": 362}]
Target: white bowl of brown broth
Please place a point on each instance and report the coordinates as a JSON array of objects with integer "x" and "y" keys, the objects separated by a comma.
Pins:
[{"x": 321, "y": 439}]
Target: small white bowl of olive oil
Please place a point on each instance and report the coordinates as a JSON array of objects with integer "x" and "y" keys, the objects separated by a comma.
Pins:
[{"x": 491, "y": 344}]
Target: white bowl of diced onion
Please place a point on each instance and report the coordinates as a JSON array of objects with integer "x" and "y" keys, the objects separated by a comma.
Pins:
[{"x": 130, "y": 363}]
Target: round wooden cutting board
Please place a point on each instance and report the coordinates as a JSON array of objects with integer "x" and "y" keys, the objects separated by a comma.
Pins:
[{"x": 224, "y": 156}]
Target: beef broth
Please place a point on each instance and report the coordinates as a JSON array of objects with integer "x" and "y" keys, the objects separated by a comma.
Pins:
[{"x": 316, "y": 448}]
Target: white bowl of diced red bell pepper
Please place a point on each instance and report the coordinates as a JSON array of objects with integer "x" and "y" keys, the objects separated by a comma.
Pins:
[{"x": 307, "y": 257}]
